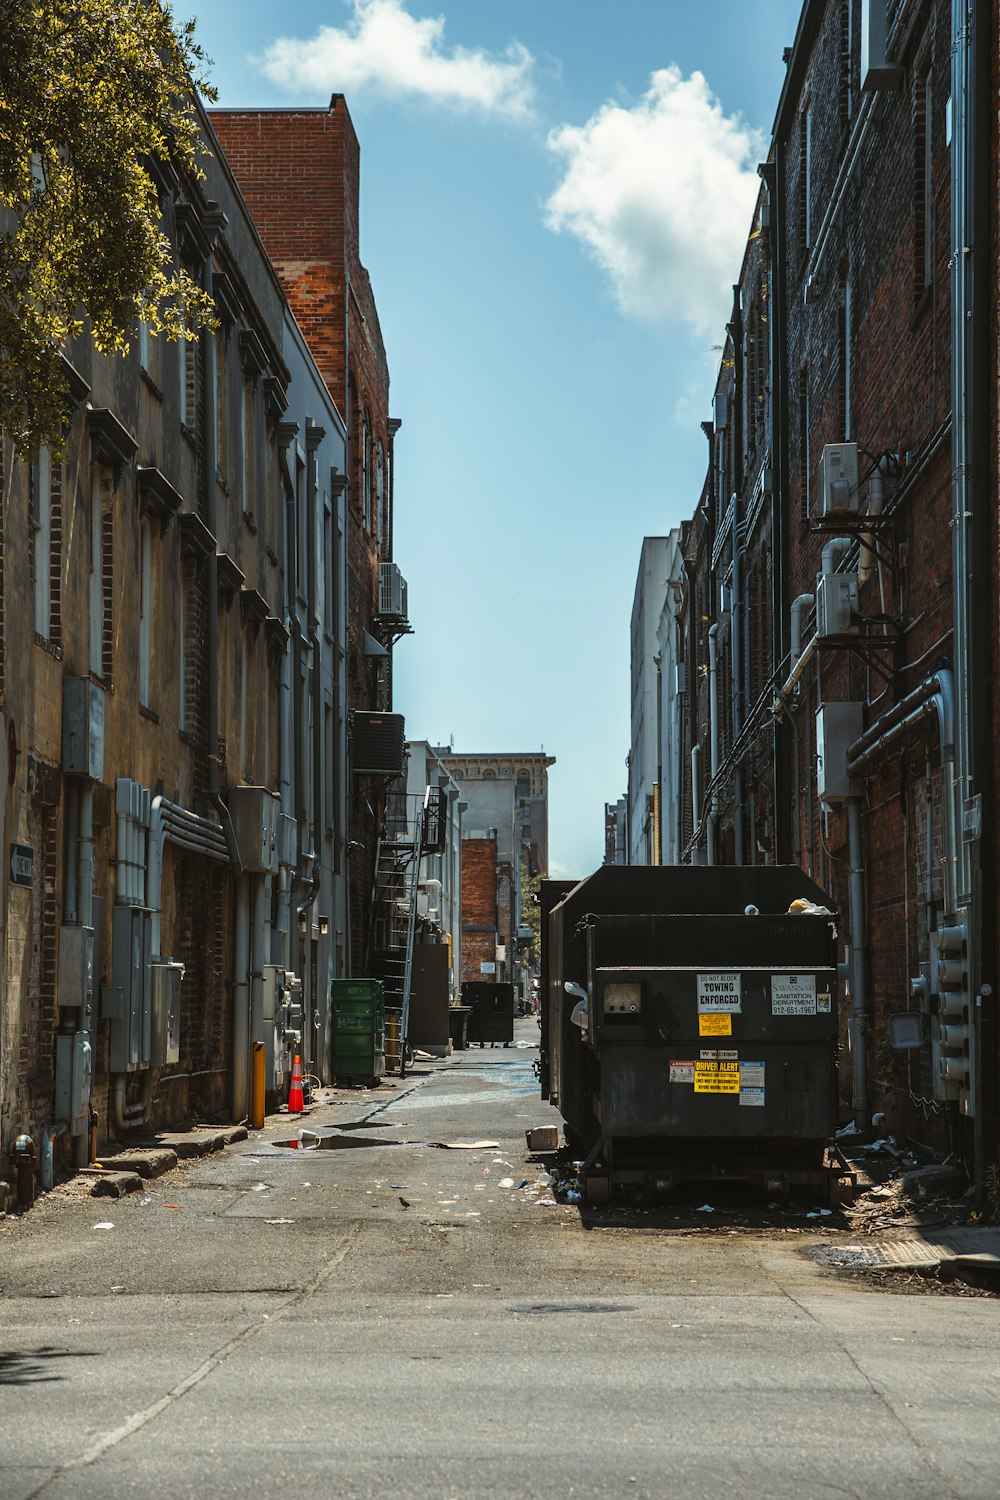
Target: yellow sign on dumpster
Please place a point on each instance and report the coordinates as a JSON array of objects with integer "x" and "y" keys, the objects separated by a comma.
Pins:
[
  {"x": 717, "y": 1077},
  {"x": 715, "y": 1025}
]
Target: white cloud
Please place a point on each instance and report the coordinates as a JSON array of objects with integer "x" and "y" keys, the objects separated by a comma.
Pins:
[
  {"x": 662, "y": 195},
  {"x": 386, "y": 48}
]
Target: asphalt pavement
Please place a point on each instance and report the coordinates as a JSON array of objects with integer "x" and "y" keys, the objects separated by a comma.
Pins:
[{"x": 407, "y": 1308}]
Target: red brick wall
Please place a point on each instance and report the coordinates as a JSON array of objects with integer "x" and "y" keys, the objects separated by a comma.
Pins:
[{"x": 479, "y": 906}]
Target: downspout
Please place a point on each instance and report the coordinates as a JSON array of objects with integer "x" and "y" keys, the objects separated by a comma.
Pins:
[
  {"x": 858, "y": 1024},
  {"x": 241, "y": 1001},
  {"x": 772, "y": 174},
  {"x": 695, "y": 794},
  {"x": 85, "y": 892},
  {"x": 713, "y": 744},
  {"x": 736, "y": 636},
  {"x": 215, "y": 223},
  {"x": 983, "y": 591}
]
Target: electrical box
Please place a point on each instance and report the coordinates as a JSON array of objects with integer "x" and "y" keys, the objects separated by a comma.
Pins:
[
  {"x": 254, "y": 812},
  {"x": 76, "y": 967},
  {"x": 838, "y": 479},
  {"x": 838, "y": 725},
  {"x": 836, "y": 604},
  {"x": 126, "y": 1001},
  {"x": 83, "y": 728},
  {"x": 165, "y": 978},
  {"x": 74, "y": 1075}
]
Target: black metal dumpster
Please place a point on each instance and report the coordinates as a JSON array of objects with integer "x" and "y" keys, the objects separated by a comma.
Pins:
[
  {"x": 491, "y": 1012},
  {"x": 699, "y": 1038}
]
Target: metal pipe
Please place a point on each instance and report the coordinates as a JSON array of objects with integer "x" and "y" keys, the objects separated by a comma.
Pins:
[
  {"x": 836, "y": 547},
  {"x": 713, "y": 700},
  {"x": 259, "y": 954},
  {"x": 935, "y": 695},
  {"x": 866, "y": 561},
  {"x": 859, "y": 997},
  {"x": 241, "y": 1002},
  {"x": 800, "y": 604},
  {"x": 45, "y": 1164},
  {"x": 131, "y": 1116}
]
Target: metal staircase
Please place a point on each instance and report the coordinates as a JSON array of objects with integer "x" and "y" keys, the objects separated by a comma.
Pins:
[{"x": 396, "y": 882}]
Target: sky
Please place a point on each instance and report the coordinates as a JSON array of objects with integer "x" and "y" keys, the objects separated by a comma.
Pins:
[{"x": 555, "y": 200}]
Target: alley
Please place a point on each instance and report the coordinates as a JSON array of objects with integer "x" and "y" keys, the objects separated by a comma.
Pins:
[{"x": 387, "y": 1316}]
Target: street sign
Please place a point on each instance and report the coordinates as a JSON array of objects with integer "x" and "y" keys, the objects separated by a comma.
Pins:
[{"x": 22, "y": 865}]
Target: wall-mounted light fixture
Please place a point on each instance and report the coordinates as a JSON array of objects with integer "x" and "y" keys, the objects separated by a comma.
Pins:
[{"x": 324, "y": 926}]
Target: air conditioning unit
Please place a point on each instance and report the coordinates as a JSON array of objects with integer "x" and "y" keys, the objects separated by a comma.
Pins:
[
  {"x": 391, "y": 591},
  {"x": 838, "y": 479},
  {"x": 378, "y": 742},
  {"x": 836, "y": 604}
]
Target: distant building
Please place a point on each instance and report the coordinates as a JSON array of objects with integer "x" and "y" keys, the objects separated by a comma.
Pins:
[
  {"x": 508, "y": 808},
  {"x": 645, "y": 768},
  {"x": 616, "y": 832}
]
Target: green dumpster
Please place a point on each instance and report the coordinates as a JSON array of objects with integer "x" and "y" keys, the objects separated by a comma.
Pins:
[{"x": 356, "y": 1006}]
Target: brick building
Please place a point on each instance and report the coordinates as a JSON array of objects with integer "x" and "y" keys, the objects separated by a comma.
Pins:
[
  {"x": 480, "y": 910},
  {"x": 841, "y": 560},
  {"x": 154, "y": 712},
  {"x": 300, "y": 173}
]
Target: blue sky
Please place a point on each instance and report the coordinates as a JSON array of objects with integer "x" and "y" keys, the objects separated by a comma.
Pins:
[{"x": 555, "y": 198}]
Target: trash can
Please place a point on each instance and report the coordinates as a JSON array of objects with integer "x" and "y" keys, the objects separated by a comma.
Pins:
[
  {"x": 358, "y": 1031},
  {"x": 491, "y": 1017},
  {"x": 458, "y": 1026}
]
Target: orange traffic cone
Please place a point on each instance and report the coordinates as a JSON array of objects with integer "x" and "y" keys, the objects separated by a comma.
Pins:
[{"x": 295, "y": 1100}]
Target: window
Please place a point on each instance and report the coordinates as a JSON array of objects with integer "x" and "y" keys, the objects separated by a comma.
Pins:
[
  {"x": 145, "y": 613},
  {"x": 366, "y": 471},
  {"x": 246, "y": 446},
  {"x": 41, "y": 534},
  {"x": 923, "y": 197},
  {"x": 183, "y": 377},
  {"x": 149, "y": 351},
  {"x": 844, "y": 340},
  {"x": 96, "y": 582},
  {"x": 244, "y": 689},
  {"x": 182, "y": 652},
  {"x": 379, "y": 492},
  {"x": 222, "y": 412},
  {"x": 325, "y": 572},
  {"x": 805, "y": 177},
  {"x": 846, "y": 99},
  {"x": 805, "y": 446}
]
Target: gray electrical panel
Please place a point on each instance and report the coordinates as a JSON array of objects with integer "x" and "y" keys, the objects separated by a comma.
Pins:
[
  {"x": 74, "y": 1074},
  {"x": 165, "y": 979},
  {"x": 254, "y": 812},
  {"x": 838, "y": 725},
  {"x": 76, "y": 967},
  {"x": 83, "y": 728}
]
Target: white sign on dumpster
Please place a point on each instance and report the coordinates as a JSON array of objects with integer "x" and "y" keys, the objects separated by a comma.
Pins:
[
  {"x": 719, "y": 992},
  {"x": 793, "y": 994}
]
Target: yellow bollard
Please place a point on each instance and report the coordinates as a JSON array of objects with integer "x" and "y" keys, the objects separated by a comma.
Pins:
[{"x": 257, "y": 1087}]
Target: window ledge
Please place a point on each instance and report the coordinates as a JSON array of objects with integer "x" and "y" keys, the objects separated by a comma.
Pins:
[
  {"x": 49, "y": 646},
  {"x": 148, "y": 713}
]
